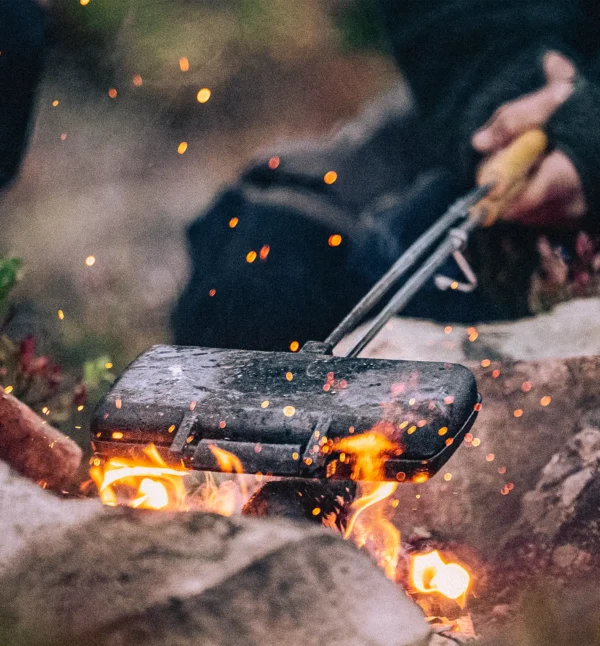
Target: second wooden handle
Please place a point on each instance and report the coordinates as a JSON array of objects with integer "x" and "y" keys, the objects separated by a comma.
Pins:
[{"x": 507, "y": 173}]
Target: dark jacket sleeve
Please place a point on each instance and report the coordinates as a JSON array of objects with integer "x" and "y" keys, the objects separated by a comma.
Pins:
[
  {"x": 575, "y": 129},
  {"x": 22, "y": 34},
  {"x": 465, "y": 58}
]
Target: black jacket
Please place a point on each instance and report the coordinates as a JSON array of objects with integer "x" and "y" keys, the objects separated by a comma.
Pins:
[
  {"x": 465, "y": 58},
  {"x": 22, "y": 35}
]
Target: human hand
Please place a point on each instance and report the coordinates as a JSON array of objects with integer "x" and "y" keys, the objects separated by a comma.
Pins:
[{"x": 554, "y": 193}]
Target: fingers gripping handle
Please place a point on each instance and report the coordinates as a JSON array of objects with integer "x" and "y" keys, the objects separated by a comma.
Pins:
[
  {"x": 507, "y": 173},
  {"x": 513, "y": 164}
]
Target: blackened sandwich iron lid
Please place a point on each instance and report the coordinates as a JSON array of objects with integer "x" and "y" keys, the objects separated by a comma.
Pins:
[{"x": 272, "y": 410}]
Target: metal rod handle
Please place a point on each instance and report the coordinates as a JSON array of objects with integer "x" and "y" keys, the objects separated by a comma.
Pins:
[
  {"x": 455, "y": 241},
  {"x": 457, "y": 211}
]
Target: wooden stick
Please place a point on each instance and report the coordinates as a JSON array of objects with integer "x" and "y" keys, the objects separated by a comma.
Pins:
[{"x": 34, "y": 448}]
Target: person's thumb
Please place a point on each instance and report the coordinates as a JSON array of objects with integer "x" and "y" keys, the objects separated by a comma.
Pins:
[
  {"x": 558, "y": 68},
  {"x": 530, "y": 111}
]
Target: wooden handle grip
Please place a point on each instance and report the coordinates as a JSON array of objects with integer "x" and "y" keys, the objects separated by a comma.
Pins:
[{"x": 507, "y": 173}]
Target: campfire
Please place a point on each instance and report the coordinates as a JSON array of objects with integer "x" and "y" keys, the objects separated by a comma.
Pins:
[
  {"x": 457, "y": 544},
  {"x": 149, "y": 482}
]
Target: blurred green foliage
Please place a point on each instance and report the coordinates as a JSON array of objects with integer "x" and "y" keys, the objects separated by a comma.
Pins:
[
  {"x": 58, "y": 393},
  {"x": 9, "y": 271},
  {"x": 360, "y": 27},
  {"x": 115, "y": 39},
  {"x": 97, "y": 377},
  {"x": 150, "y": 36}
]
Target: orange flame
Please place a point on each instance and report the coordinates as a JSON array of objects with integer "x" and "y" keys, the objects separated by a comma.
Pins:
[
  {"x": 150, "y": 483},
  {"x": 368, "y": 525},
  {"x": 227, "y": 461},
  {"x": 230, "y": 463},
  {"x": 370, "y": 450},
  {"x": 429, "y": 573}
]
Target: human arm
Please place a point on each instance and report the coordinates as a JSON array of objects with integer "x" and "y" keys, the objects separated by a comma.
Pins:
[
  {"x": 465, "y": 58},
  {"x": 554, "y": 194}
]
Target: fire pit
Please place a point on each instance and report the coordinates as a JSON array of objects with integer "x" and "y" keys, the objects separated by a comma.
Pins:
[
  {"x": 361, "y": 513},
  {"x": 445, "y": 557},
  {"x": 516, "y": 506}
]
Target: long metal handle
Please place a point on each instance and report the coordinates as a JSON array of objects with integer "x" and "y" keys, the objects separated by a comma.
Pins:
[
  {"x": 457, "y": 211},
  {"x": 455, "y": 241}
]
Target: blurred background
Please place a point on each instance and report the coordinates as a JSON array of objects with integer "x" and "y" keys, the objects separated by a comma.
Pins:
[{"x": 146, "y": 111}]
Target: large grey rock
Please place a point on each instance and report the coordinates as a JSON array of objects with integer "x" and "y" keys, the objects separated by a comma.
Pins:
[
  {"x": 78, "y": 573},
  {"x": 566, "y": 492},
  {"x": 26, "y": 511},
  {"x": 571, "y": 329},
  {"x": 515, "y": 436}
]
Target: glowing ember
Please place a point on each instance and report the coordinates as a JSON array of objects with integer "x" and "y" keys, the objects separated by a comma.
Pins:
[
  {"x": 429, "y": 573},
  {"x": 203, "y": 95},
  {"x": 330, "y": 177}
]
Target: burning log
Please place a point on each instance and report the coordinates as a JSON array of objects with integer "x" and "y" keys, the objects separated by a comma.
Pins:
[
  {"x": 313, "y": 500},
  {"x": 33, "y": 448},
  {"x": 104, "y": 576}
]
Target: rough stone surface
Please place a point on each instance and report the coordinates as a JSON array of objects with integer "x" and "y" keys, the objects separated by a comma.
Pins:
[
  {"x": 111, "y": 577},
  {"x": 570, "y": 330},
  {"x": 561, "y": 495},
  {"x": 554, "y": 616},
  {"x": 26, "y": 511}
]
